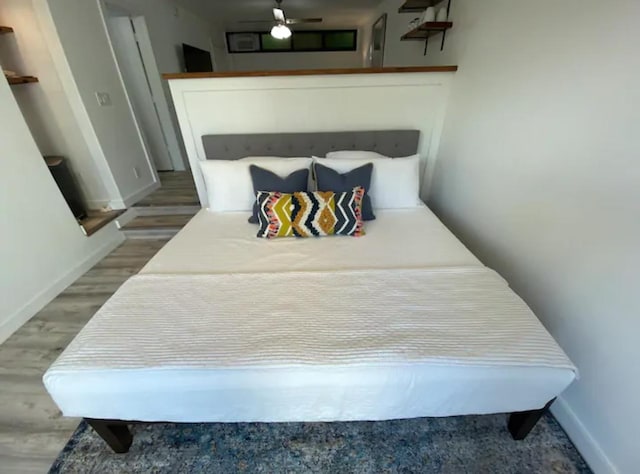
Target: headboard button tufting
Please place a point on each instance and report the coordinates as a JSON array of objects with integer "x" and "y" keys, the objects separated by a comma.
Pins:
[{"x": 394, "y": 143}]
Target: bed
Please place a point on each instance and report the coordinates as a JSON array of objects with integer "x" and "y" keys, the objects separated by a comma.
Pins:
[{"x": 222, "y": 327}]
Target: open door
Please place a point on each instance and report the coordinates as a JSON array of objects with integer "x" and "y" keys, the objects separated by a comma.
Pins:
[{"x": 134, "y": 75}]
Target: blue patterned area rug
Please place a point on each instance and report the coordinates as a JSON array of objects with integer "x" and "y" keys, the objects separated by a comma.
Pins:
[{"x": 471, "y": 444}]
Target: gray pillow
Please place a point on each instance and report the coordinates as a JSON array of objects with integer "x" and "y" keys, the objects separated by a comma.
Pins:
[
  {"x": 329, "y": 179},
  {"x": 265, "y": 180}
]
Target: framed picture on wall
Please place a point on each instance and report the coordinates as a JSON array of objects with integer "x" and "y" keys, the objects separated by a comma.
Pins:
[{"x": 378, "y": 33}]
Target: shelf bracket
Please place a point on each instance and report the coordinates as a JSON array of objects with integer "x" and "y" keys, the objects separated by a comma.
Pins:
[{"x": 426, "y": 40}]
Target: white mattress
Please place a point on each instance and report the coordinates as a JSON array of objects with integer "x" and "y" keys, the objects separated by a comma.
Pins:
[
  {"x": 406, "y": 324},
  {"x": 226, "y": 243}
]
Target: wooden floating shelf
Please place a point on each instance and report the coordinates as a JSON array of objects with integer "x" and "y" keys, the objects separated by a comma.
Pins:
[
  {"x": 426, "y": 30},
  {"x": 5, "y": 30},
  {"x": 411, "y": 6},
  {"x": 96, "y": 220},
  {"x": 16, "y": 80}
]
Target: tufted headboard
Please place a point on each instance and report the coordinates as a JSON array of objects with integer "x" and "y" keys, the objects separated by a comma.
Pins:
[{"x": 392, "y": 143}]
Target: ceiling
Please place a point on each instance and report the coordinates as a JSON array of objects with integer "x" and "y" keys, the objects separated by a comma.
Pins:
[{"x": 334, "y": 12}]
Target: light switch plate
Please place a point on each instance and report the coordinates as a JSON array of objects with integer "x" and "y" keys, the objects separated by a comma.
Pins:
[{"x": 104, "y": 99}]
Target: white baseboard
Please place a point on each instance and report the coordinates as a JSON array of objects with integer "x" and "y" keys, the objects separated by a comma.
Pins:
[
  {"x": 117, "y": 204},
  {"x": 591, "y": 451},
  {"x": 44, "y": 297},
  {"x": 133, "y": 198},
  {"x": 129, "y": 215},
  {"x": 92, "y": 205}
]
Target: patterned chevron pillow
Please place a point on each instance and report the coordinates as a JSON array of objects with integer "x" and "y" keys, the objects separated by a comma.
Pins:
[{"x": 306, "y": 214}]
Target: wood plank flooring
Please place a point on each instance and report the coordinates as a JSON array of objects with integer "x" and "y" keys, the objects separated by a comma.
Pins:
[
  {"x": 176, "y": 220},
  {"x": 32, "y": 431},
  {"x": 163, "y": 226},
  {"x": 177, "y": 190}
]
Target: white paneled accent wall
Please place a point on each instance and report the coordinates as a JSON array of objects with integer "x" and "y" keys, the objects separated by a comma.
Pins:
[{"x": 311, "y": 104}]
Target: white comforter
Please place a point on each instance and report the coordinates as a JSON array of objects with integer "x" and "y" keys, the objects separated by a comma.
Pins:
[
  {"x": 461, "y": 316},
  {"x": 346, "y": 336}
]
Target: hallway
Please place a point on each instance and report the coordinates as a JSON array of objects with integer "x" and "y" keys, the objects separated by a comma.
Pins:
[{"x": 164, "y": 212}]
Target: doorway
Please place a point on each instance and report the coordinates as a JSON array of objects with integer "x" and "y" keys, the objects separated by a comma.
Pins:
[{"x": 130, "y": 42}]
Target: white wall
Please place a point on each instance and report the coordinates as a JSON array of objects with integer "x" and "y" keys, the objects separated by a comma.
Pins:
[
  {"x": 81, "y": 31},
  {"x": 45, "y": 105},
  {"x": 538, "y": 173},
  {"x": 310, "y": 104},
  {"x": 287, "y": 61},
  {"x": 221, "y": 59},
  {"x": 43, "y": 249}
]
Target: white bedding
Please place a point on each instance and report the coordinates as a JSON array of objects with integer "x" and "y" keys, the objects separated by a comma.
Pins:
[
  {"x": 403, "y": 322},
  {"x": 225, "y": 243}
]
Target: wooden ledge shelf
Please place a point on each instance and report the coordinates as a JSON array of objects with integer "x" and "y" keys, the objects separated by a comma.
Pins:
[
  {"x": 96, "y": 220},
  {"x": 16, "y": 80},
  {"x": 311, "y": 72},
  {"x": 5, "y": 29},
  {"x": 427, "y": 30}
]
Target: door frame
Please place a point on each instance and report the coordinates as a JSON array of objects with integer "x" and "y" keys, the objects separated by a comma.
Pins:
[{"x": 158, "y": 91}]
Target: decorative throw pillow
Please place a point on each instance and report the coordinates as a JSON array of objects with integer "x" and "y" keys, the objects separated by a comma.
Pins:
[
  {"x": 328, "y": 179},
  {"x": 310, "y": 214},
  {"x": 265, "y": 180}
]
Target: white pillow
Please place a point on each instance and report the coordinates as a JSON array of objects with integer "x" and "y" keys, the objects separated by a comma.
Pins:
[
  {"x": 356, "y": 154},
  {"x": 263, "y": 158},
  {"x": 229, "y": 185},
  {"x": 395, "y": 183}
]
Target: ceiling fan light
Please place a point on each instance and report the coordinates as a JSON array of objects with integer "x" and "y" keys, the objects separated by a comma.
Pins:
[{"x": 281, "y": 32}]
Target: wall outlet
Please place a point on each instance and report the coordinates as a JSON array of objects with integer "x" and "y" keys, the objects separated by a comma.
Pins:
[
  {"x": 104, "y": 99},
  {"x": 136, "y": 172}
]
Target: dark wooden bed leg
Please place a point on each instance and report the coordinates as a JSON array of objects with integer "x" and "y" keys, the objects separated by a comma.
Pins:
[
  {"x": 522, "y": 422},
  {"x": 115, "y": 433}
]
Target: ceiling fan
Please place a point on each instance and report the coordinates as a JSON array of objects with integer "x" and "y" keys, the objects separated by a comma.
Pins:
[{"x": 280, "y": 30}]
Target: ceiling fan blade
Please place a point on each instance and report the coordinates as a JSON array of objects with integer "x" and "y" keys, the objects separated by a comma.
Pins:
[
  {"x": 278, "y": 14},
  {"x": 297, "y": 21}
]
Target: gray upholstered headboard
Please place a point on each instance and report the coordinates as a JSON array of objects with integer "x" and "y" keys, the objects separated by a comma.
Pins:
[{"x": 392, "y": 143}]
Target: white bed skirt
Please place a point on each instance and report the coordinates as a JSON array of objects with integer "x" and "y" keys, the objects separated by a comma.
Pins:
[{"x": 304, "y": 394}]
